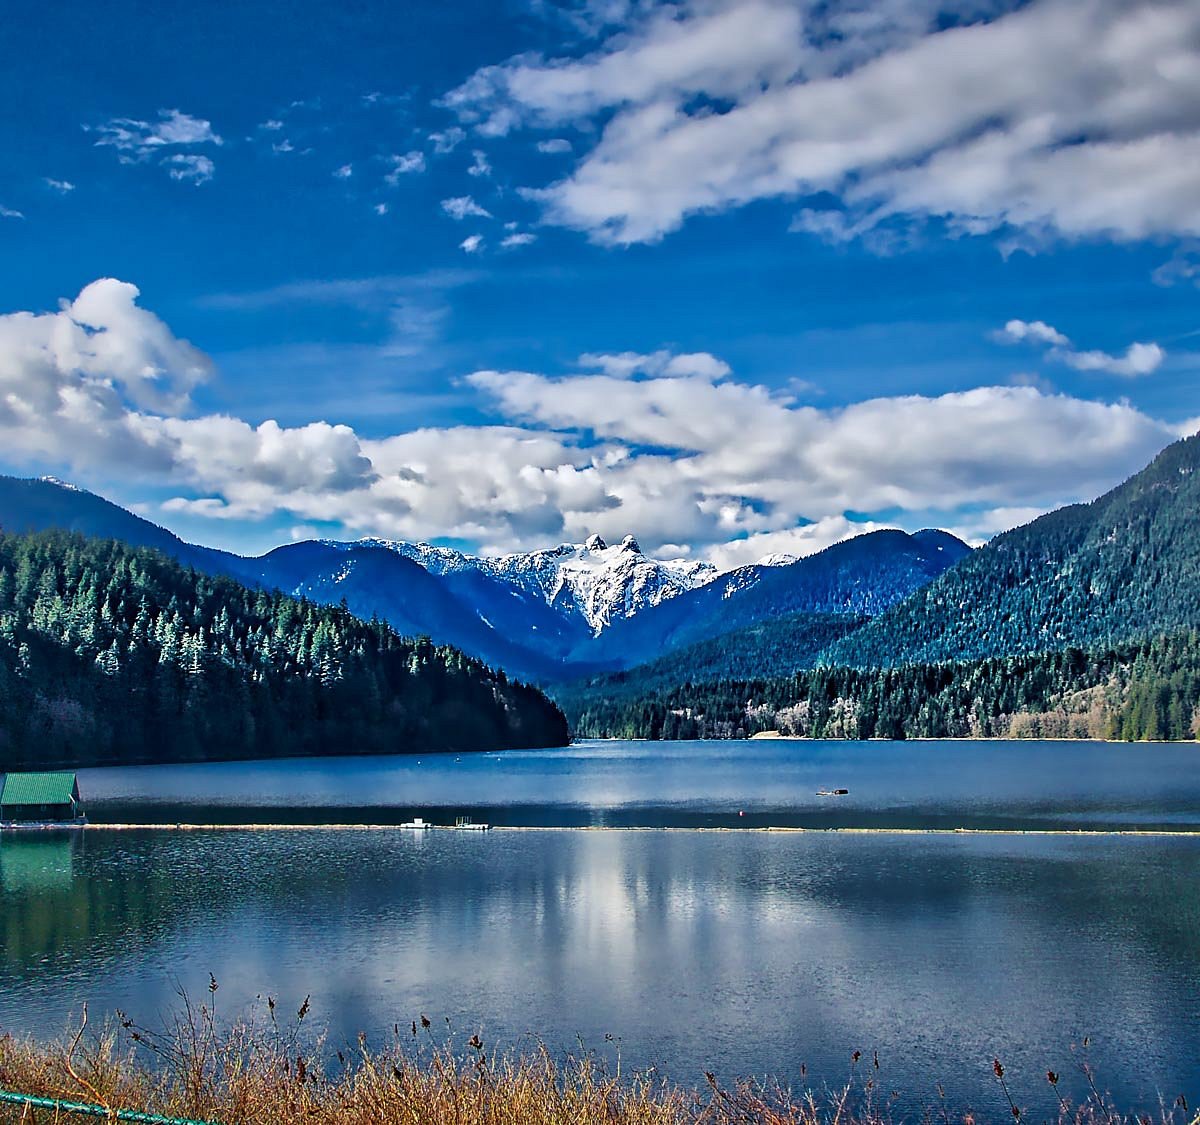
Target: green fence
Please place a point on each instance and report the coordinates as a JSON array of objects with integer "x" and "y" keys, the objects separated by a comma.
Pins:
[{"x": 85, "y": 1109}]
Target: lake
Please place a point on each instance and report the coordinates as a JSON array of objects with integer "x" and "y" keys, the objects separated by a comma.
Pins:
[{"x": 739, "y": 952}]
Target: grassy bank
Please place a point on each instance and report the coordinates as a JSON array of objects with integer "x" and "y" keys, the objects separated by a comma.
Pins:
[{"x": 257, "y": 1071}]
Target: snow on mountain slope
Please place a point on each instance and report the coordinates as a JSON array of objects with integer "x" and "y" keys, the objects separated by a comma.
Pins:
[{"x": 599, "y": 583}]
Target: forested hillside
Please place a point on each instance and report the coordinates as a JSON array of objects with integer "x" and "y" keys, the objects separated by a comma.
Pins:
[
  {"x": 767, "y": 649},
  {"x": 1124, "y": 567},
  {"x": 110, "y": 653},
  {"x": 1149, "y": 690}
]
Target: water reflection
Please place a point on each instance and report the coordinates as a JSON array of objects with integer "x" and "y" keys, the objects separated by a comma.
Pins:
[
  {"x": 38, "y": 861},
  {"x": 740, "y": 953}
]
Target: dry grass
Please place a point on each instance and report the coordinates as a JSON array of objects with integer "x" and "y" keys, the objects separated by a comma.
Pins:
[{"x": 256, "y": 1071}]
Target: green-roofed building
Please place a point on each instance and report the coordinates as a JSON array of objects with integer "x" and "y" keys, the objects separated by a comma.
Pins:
[{"x": 40, "y": 798}]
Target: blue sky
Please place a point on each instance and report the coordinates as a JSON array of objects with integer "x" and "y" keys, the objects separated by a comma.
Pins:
[{"x": 739, "y": 276}]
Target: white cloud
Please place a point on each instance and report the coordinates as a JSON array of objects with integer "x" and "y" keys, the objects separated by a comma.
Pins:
[
  {"x": 282, "y": 147},
  {"x": 344, "y": 172},
  {"x": 977, "y": 528},
  {"x": 1035, "y": 331},
  {"x": 1182, "y": 266},
  {"x": 512, "y": 241},
  {"x": 794, "y": 542},
  {"x": 660, "y": 364},
  {"x": 138, "y": 141},
  {"x": 63, "y": 187},
  {"x": 9, "y": 213},
  {"x": 381, "y": 208},
  {"x": 447, "y": 140},
  {"x": 998, "y": 120},
  {"x": 190, "y": 167},
  {"x": 472, "y": 244},
  {"x": 716, "y": 459},
  {"x": 1138, "y": 359},
  {"x": 721, "y": 52},
  {"x": 463, "y": 206},
  {"x": 480, "y": 166},
  {"x": 669, "y": 445},
  {"x": 272, "y": 126},
  {"x": 405, "y": 164},
  {"x": 555, "y": 145}
]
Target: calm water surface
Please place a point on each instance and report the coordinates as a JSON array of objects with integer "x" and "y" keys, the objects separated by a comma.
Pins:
[
  {"x": 687, "y": 784},
  {"x": 746, "y": 953}
]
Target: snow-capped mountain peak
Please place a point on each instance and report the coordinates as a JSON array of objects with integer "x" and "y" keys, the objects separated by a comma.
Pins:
[{"x": 599, "y": 583}]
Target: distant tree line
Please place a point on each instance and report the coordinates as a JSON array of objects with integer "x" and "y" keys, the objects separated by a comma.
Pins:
[
  {"x": 113, "y": 654},
  {"x": 1140, "y": 690}
]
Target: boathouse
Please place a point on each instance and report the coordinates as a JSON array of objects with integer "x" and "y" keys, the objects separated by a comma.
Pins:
[{"x": 40, "y": 798}]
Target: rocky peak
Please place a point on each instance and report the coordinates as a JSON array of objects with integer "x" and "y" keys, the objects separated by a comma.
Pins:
[
  {"x": 629, "y": 543},
  {"x": 595, "y": 543}
]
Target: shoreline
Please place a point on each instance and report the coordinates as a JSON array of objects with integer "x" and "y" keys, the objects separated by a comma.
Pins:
[{"x": 1148, "y": 833}]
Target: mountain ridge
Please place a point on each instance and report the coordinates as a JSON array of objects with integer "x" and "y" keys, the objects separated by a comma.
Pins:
[
  {"x": 1119, "y": 568},
  {"x": 550, "y": 615}
]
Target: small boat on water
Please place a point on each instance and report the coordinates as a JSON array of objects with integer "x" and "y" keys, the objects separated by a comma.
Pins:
[
  {"x": 466, "y": 824},
  {"x": 832, "y": 792},
  {"x": 416, "y": 822}
]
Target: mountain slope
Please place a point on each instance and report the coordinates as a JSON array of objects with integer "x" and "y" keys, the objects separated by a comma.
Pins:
[
  {"x": 1124, "y": 567},
  {"x": 773, "y": 648},
  {"x": 502, "y": 625},
  {"x": 46, "y": 503},
  {"x": 859, "y": 577},
  {"x": 110, "y": 653}
]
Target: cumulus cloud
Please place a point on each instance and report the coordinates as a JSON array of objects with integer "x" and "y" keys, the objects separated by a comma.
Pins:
[
  {"x": 671, "y": 445},
  {"x": 555, "y": 145},
  {"x": 63, "y": 187},
  {"x": 480, "y": 165},
  {"x": 344, "y": 172},
  {"x": 10, "y": 213},
  {"x": 462, "y": 206},
  {"x": 990, "y": 118},
  {"x": 472, "y": 244},
  {"x": 1138, "y": 358},
  {"x": 104, "y": 384}
]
